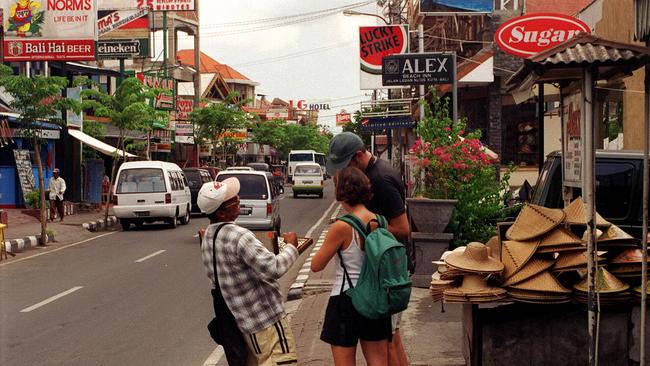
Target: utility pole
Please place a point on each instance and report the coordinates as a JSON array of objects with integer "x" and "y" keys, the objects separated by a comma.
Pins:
[{"x": 396, "y": 133}]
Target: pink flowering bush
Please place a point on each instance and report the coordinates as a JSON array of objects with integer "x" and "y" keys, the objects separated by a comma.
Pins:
[{"x": 451, "y": 163}]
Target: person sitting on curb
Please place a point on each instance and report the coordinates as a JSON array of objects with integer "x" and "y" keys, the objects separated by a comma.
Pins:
[
  {"x": 247, "y": 276},
  {"x": 343, "y": 326}
]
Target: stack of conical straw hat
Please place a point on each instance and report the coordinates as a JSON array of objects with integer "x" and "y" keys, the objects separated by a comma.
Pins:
[
  {"x": 610, "y": 289},
  {"x": 636, "y": 292},
  {"x": 543, "y": 288},
  {"x": 627, "y": 264},
  {"x": 576, "y": 214},
  {"x": 570, "y": 261},
  {"x": 476, "y": 265}
]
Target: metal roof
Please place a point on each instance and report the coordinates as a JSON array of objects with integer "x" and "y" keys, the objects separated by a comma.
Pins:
[{"x": 565, "y": 61}]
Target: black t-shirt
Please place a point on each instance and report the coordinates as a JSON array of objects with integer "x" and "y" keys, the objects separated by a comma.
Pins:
[{"x": 387, "y": 188}]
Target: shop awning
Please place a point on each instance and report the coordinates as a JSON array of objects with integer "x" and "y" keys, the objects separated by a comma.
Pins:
[{"x": 102, "y": 147}]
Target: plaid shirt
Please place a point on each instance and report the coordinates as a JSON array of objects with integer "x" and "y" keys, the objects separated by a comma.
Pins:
[{"x": 248, "y": 275}]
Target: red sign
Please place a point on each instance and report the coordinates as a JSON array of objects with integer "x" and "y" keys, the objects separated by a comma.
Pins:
[
  {"x": 530, "y": 34},
  {"x": 343, "y": 118},
  {"x": 183, "y": 108},
  {"x": 379, "y": 41},
  {"x": 59, "y": 50}
]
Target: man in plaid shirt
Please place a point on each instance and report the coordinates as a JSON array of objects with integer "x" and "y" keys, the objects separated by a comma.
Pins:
[{"x": 248, "y": 276}]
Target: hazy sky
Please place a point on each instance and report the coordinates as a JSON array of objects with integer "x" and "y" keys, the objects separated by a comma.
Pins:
[{"x": 316, "y": 60}]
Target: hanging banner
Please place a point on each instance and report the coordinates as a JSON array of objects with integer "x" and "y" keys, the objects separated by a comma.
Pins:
[
  {"x": 374, "y": 44},
  {"x": 163, "y": 101},
  {"x": 183, "y": 108},
  {"x": 49, "y": 30},
  {"x": 184, "y": 133},
  {"x": 572, "y": 139},
  {"x": 386, "y": 123}
]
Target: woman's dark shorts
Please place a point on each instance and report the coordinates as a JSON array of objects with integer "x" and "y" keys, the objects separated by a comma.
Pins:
[{"x": 344, "y": 326}]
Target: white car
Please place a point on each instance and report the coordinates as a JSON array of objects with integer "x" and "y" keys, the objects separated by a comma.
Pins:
[
  {"x": 149, "y": 191},
  {"x": 308, "y": 179}
]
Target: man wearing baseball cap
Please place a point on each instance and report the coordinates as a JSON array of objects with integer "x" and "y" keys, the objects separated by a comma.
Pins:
[
  {"x": 388, "y": 200},
  {"x": 246, "y": 278},
  {"x": 57, "y": 188}
]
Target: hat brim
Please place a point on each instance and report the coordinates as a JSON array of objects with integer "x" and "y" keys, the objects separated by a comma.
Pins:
[{"x": 333, "y": 168}]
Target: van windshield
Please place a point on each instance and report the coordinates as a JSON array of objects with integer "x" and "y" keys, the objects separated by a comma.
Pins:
[
  {"x": 251, "y": 187},
  {"x": 146, "y": 180},
  {"x": 301, "y": 157},
  {"x": 308, "y": 170}
]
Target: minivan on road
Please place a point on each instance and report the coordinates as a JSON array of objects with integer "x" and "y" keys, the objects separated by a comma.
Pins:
[
  {"x": 150, "y": 191},
  {"x": 258, "y": 197},
  {"x": 308, "y": 179}
]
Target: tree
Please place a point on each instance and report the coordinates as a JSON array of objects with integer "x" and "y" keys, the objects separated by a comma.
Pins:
[
  {"x": 37, "y": 99},
  {"x": 96, "y": 130},
  {"x": 215, "y": 119},
  {"x": 128, "y": 109},
  {"x": 285, "y": 137}
]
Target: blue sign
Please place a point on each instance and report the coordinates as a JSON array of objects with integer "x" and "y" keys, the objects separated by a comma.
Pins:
[
  {"x": 386, "y": 123},
  {"x": 456, "y": 6}
]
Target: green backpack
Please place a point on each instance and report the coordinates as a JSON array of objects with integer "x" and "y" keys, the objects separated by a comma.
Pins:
[{"x": 384, "y": 287}]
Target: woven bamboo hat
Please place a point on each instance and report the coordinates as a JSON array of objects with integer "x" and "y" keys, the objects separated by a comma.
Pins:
[
  {"x": 576, "y": 214},
  {"x": 542, "y": 282},
  {"x": 574, "y": 260},
  {"x": 494, "y": 245},
  {"x": 532, "y": 268},
  {"x": 616, "y": 234},
  {"x": 605, "y": 283},
  {"x": 534, "y": 221},
  {"x": 560, "y": 236},
  {"x": 629, "y": 256},
  {"x": 475, "y": 258},
  {"x": 538, "y": 297},
  {"x": 515, "y": 254}
]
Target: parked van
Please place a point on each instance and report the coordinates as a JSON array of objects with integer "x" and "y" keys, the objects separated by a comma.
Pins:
[
  {"x": 259, "y": 201},
  {"x": 149, "y": 191},
  {"x": 308, "y": 179},
  {"x": 299, "y": 156}
]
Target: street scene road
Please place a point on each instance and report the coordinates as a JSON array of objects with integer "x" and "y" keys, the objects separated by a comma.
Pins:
[{"x": 125, "y": 298}]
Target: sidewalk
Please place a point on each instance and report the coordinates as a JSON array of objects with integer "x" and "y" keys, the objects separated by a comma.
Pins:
[
  {"x": 26, "y": 229},
  {"x": 429, "y": 336}
]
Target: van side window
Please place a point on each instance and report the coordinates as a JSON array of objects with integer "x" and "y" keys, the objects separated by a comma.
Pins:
[
  {"x": 183, "y": 181},
  {"x": 172, "y": 180}
]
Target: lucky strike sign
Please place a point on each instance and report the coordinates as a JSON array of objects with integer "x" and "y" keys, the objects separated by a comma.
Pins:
[
  {"x": 49, "y": 30},
  {"x": 530, "y": 34},
  {"x": 377, "y": 42}
]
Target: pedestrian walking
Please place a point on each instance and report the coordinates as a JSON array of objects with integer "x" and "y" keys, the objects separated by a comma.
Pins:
[
  {"x": 388, "y": 200},
  {"x": 245, "y": 278},
  {"x": 57, "y": 188},
  {"x": 343, "y": 326}
]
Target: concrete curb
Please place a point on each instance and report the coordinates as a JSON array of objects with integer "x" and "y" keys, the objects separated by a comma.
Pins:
[
  {"x": 19, "y": 245},
  {"x": 100, "y": 224},
  {"x": 335, "y": 214},
  {"x": 295, "y": 291}
]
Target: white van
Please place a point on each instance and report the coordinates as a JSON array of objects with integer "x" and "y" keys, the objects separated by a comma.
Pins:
[
  {"x": 298, "y": 156},
  {"x": 149, "y": 191},
  {"x": 308, "y": 179}
]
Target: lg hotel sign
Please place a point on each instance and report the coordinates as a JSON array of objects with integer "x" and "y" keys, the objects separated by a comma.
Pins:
[{"x": 49, "y": 30}]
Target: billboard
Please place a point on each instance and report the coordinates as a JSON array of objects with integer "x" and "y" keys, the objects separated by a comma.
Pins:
[
  {"x": 184, "y": 133},
  {"x": 456, "y": 6},
  {"x": 418, "y": 69},
  {"x": 172, "y": 5},
  {"x": 123, "y": 4},
  {"x": 183, "y": 108},
  {"x": 375, "y": 43},
  {"x": 572, "y": 139},
  {"x": 123, "y": 24},
  {"x": 122, "y": 48},
  {"x": 343, "y": 119},
  {"x": 164, "y": 100},
  {"x": 49, "y": 30}
]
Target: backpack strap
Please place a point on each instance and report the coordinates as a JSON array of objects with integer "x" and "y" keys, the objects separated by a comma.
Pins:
[
  {"x": 214, "y": 254},
  {"x": 346, "y": 275},
  {"x": 356, "y": 224}
]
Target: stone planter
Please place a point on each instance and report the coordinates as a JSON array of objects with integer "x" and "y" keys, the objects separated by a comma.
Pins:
[
  {"x": 430, "y": 215},
  {"x": 428, "y": 219}
]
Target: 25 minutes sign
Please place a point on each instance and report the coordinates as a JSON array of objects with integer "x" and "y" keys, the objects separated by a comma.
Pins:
[
  {"x": 418, "y": 69},
  {"x": 527, "y": 35}
]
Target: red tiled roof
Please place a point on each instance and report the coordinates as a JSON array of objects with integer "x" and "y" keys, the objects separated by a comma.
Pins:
[
  {"x": 556, "y": 6},
  {"x": 209, "y": 65}
]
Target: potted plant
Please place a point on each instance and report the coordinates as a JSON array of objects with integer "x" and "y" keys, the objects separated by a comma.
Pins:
[{"x": 456, "y": 176}]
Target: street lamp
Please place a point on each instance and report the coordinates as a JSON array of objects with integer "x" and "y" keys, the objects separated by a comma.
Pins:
[{"x": 354, "y": 12}]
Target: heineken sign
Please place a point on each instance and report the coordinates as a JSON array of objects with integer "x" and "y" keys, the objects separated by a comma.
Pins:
[
  {"x": 418, "y": 69},
  {"x": 123, "y": 48}
]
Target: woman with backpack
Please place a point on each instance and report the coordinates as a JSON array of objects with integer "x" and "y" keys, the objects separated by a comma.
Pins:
[{"x": 344, "y": 326}]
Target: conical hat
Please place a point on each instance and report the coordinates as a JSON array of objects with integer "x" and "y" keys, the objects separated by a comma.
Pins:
[
  {"x": 494, "y": 244},
  {"x": 562, "y": 249},
  {"x": 543, "y": 282},
  {"x": 536, "y": 295},
  {"x": 629, "y": 256},
  {"x": 515, "y": 254},
  {"x": 616, "y": 234},
  {"x": 532, "y": 268},
  {"x": 574, "y": 259},
  {"x": 576, "y": 214},
  {"x": 534, "y": 221},
  {"x": 605, "y": 283},
  {"x": 559, "y": 236},
  {"x": 474, "y": 258}
]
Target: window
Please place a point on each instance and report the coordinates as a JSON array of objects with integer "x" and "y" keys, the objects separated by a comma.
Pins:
[
  {"x": 148, "y": 180},
  {"x": 301, "y": 157},
  {"x": 173, "y": 181},
  {"x": 308, "y": 170},
  {"x": 251, "y": 187},
  {"x": 614, "y": 182},
  {"x": 194, "y": 178}
]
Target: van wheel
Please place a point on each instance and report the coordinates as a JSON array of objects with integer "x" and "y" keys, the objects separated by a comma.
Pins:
[
  {"x": 126, "y": 224},
  {"x": 295, "y": 195},
  {"x": 186, "y": 219},
  {"x": 139, "y": 223},
  {"x": 320, "y": 195},
  {"x": 173, "y": 222}
]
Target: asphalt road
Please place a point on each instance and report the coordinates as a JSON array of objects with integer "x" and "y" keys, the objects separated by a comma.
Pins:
[{"x": 124, "y": 298}]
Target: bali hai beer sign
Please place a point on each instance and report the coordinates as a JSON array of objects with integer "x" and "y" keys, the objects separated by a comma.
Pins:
[{"x": 530, "y": 34}]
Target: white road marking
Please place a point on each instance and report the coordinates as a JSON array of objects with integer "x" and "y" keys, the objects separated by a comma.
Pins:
[
  {"x": 150, "y": 256},
  {"x": 47, "y": 301},
  {"x": 320, "y": 221},
  {"x": 57, "y": 249},
  {"x": 214, "y": 357},
  {"x": 195, "y": 235}
]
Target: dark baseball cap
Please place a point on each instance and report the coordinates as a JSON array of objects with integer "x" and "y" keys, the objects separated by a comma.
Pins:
[{"x": 342, "y": 149}]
